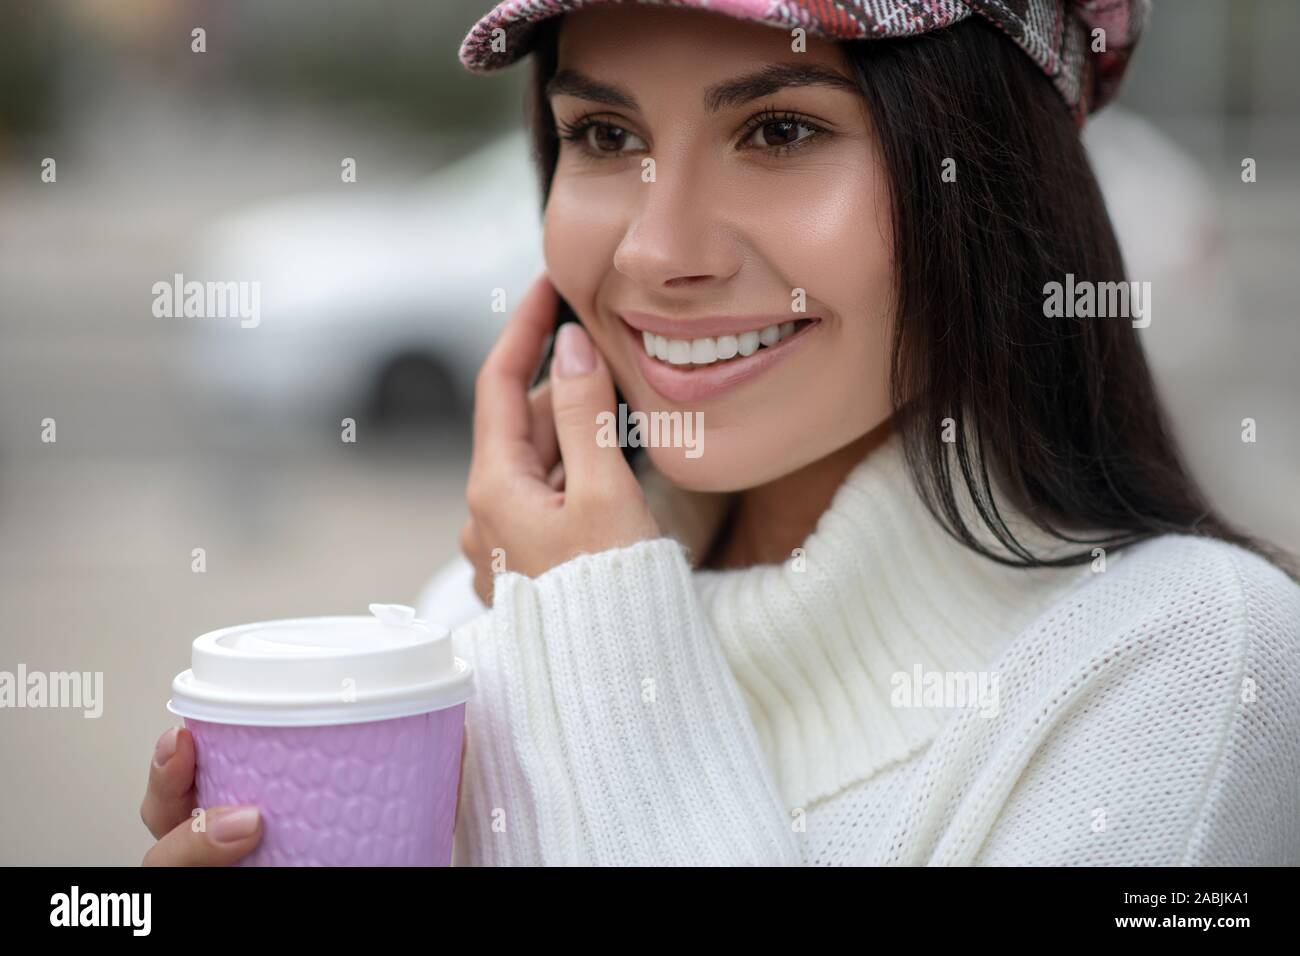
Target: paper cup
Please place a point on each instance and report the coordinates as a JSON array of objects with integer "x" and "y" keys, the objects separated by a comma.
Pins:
[{"x": 344, "y": 731}]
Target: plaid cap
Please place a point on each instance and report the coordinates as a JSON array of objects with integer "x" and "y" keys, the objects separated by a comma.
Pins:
[{"x": 1058, "y": 35}]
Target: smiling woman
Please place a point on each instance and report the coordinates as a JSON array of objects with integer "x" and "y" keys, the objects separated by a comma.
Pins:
[{"x": 830, "y": 239}]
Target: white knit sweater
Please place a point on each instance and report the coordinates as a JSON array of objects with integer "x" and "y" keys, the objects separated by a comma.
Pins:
[{"x": 631, "y": 710}]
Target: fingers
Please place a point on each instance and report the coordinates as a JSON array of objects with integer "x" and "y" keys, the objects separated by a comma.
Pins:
[
  {"x": 219, "y": 837},
  {"x": 169, "y": 797},
  {"x": 581, "y": 389},
  {"x": 216, "y": 838},
  {"x": 501, "y": 411},
  {"x": 543, "y": 426},
  {"x": 483, "y": 587},
  {"x": 471, "y": 545},
  {"x": 556, "y": 478}
]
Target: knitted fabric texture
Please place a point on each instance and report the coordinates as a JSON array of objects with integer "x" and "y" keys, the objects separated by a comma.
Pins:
[{"x": 891, "y": 699}]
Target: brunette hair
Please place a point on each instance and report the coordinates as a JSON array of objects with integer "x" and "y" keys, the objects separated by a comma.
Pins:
[{"x": 1063, "y": 409}]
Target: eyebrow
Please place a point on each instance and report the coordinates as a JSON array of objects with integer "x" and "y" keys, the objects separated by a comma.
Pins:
[{"x": 720, "y": 96}]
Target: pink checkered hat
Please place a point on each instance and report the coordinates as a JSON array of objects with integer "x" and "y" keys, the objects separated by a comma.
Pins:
[{"x": 1082, "y": 45}]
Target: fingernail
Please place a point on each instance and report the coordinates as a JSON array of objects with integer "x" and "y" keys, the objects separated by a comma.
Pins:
[
  {"x": 165, "y": 747},
  {"x": 574, "y": 353},
  {"x": 227, "y": 826}
]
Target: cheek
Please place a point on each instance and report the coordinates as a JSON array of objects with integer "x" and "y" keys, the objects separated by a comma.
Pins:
[
  {"x": 580, "y": 232},
  {"x": 842, "y": 257},
  {"x": 857, "y": 281},
  {"x": 834, "y": 241}
]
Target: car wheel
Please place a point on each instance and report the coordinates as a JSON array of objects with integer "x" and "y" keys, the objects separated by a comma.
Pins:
[{"x": 414, "y": 387}]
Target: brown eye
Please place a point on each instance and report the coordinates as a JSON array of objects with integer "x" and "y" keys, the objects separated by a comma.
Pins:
[
  {"x": 780, "y": 133},
  {"x": 607, "y": 139},
  {"x": 777, "y": 133}
]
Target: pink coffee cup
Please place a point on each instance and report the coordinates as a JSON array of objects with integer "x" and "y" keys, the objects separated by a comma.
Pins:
[{"x": 345, "y": 732}]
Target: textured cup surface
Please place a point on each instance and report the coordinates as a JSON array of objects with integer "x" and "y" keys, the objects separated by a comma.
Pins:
[{"x": 377, "y": 793}]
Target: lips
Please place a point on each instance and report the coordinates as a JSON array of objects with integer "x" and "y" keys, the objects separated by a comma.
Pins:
[{"x": 684, "y": 364}]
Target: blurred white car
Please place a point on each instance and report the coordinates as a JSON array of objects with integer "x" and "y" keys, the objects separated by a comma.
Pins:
[{"x": 377, "y": 303}]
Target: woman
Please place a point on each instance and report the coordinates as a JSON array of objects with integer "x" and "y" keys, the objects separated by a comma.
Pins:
[{"x": 934, "y": 588}]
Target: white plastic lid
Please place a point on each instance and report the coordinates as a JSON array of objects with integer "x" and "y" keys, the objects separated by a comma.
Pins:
[{"x": 316, "y": 671}]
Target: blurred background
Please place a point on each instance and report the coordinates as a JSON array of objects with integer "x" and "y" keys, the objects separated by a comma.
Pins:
[{"x": 182, "y": 433}]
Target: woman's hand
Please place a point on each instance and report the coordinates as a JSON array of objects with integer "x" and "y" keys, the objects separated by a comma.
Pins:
[
  {"x": 225, "y": 834},
  {"x": 540, "y": 487}
]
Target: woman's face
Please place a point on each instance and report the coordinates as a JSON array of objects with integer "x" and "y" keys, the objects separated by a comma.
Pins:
[{"x": 703, "y": 204}]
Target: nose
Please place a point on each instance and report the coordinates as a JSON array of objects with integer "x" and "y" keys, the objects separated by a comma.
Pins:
[{"x": 677, "y": 236}]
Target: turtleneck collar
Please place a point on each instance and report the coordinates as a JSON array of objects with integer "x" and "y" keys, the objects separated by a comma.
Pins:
[{"x": 878, "y": 589}]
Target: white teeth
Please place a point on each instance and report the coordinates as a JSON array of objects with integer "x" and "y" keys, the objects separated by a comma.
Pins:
[
  {"x": 679, "y": 352},
  {"x": 706, "y": 351}
]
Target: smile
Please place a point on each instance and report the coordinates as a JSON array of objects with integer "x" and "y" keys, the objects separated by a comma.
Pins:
[
  {"x": 684, "y": 367},
  {"x": 723, "y": 348}
]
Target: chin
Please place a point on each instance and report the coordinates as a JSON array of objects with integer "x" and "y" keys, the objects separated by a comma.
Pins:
[{"x": 718, "y": 468}]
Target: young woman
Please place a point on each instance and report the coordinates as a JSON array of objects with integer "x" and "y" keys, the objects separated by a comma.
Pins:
[{"x": 934, "y": 588}]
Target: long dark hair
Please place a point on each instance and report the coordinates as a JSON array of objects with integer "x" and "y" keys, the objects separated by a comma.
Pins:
[{"x": 1064, "y": 410}]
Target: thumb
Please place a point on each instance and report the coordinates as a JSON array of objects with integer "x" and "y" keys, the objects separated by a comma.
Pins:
[
  {"x": 582, "y": 401},
  {"x": 219, "y": 837}
]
